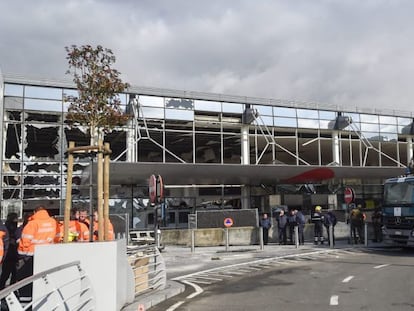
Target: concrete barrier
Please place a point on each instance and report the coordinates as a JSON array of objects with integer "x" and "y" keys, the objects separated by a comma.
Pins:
[{"x": 237, "y": 235}]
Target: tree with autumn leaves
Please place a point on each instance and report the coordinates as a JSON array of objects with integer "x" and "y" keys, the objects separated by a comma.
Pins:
[{"x": 97, "y": 105}]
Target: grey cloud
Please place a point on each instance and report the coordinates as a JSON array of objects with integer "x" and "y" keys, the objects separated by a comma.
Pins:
[{"x": 355, "y": 53}]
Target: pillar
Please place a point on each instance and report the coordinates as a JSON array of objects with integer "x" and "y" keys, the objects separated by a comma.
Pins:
[{"x": 335, "y": 148}]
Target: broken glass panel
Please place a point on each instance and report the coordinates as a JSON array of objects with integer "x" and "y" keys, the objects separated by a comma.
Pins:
[
  {"x": 13, "y": 180},
  {"x": 41, "y": 193},
  {"x": 42, "y": 141},
  {"x": 13, "y": 116},
  {"x": 11, "y": 193},
  {"x": 43, "y": 168},
  {"x": 41, "y": 180},
  {"x": 179, "y": 103},
  {"x": 13, "y": 141},
  {"x": 11, "y": 167},
  {"x": 43, "y": 117}
]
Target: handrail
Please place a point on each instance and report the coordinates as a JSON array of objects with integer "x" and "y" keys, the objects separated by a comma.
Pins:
[
  {"x": 54, "y": 293},
  {"x": 13, "y": 287}
]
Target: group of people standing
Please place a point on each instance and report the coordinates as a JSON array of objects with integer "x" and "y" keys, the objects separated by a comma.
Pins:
[
  {"x": 288, "y": 220},
  {"x": 17, "y": 243}
]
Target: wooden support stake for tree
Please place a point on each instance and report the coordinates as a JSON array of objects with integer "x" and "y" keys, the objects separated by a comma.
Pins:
[
  {"x": 100, "y": 192},
  {"x": 68, "y": 202},
  {"x": 106, "y": 190}
]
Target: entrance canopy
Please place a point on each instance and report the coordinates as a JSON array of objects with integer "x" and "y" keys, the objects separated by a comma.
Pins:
[{"x": 126, "y": 173}]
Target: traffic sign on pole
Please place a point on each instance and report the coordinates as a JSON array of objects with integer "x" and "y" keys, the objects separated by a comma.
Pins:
[
  {"x": 349, "y": 195},
  {"x": 228, "y": 222}
]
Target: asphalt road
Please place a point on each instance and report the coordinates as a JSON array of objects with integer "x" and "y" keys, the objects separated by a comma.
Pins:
[{"x": 362, "y": 280}]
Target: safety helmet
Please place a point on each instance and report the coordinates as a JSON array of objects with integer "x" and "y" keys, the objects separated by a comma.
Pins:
[{"x": 318, "y": 208}]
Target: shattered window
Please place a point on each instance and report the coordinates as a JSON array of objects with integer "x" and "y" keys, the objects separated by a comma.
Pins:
[
  {"x": 13, "y": 193},
  {"x": 13, "y": 116},
  {"x": 11, "y": 180},
  {"x": 39, "y": 193},
  {"x": 43, "y": 168},
  {"x": 43, "y": 117},
  {"x": 42, "y": 180},
  {"x": 42, "y": 141},
  {"x": 13, "y": 141}
]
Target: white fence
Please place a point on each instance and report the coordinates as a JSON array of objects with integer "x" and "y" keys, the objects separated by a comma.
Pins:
[{"x": 74, "y": 293}]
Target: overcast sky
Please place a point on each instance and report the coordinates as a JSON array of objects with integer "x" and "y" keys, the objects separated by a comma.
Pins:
[{"x": 357, "y": 53}]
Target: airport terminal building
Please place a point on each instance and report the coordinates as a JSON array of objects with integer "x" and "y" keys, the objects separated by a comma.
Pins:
[{"x": 212, "y": 151}]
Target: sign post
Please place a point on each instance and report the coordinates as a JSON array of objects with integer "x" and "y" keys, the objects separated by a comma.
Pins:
[{"x": 228, "y": 222}]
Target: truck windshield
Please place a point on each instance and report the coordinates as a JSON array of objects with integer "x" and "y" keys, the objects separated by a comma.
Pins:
[{"x": 399, "y": 193}]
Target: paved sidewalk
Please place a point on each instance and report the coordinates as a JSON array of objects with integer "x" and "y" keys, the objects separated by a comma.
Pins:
[{"x": 180, "y": 261}]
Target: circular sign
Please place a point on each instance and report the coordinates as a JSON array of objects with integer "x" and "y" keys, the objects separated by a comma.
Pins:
[
  {"x": 349, "y": 195},
  {"x": 152, "y": 189},
  {"x": 228, "y": 222}
]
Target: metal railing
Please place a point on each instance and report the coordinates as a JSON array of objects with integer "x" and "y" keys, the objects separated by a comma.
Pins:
[
  {"x": 65, "y": 287},
  {"x": 149, "y": 268}
]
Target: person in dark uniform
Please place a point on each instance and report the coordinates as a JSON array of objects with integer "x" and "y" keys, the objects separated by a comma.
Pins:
[
  {"x": 291, "y": 226},
  {"x": 281, "y": 225},
  {"x": 8, "y": 268},
  {"x": 317, "y": 219},
  {"x": 376, "y": 219},
  {"x": 300, "y": 220},
  {"x": 329, "y": 219},
  {"x": 265, "y": 224}
]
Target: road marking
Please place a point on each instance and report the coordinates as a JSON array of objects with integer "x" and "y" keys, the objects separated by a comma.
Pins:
[
  {"x": 381, "y": 266},
  {"x": 347, "y": 279},
  {"x": 334, "y": 300},
  {"x": 198, "y": 289},
  {"x": 175, "y": 306}
]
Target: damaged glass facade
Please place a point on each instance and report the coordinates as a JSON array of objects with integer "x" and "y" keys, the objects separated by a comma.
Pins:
[{"x": 183, "y": 127}]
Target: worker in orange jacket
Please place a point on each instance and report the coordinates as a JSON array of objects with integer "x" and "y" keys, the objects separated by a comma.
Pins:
[
  {"x": 4, "y": 241},
  {"x": 78, "y": 231},
  {"x": 111, "y": 234},
  {"x": 40, "y": 229}
]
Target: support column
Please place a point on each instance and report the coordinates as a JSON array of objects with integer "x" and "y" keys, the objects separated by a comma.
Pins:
[
  {"x": 245, "y": 160},
  {"x": 409, "y": 149},
  {"x": 245, "y": 145},
  {"x": 130, "y": 141},
  {"x": 335, "y": 148}
]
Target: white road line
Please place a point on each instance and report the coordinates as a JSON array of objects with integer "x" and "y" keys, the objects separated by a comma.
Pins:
[
  {"x": 175, "y": 306},
  {"x": 334, "y": 300},
  {"x": 198, "y": 289},
  {"x": 347, "y": 279},
  {"x": 207, "y": 277},
  {"x": 381, "y": 266}
]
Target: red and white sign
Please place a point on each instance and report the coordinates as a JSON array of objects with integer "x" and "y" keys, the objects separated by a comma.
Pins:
[
  {"x": 228, "y": 222},
  {"x": 349, "y": 195}
]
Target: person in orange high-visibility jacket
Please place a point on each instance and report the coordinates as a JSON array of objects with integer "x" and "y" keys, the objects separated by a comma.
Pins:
[
  {"x": 111, "y": 235},
  {"x": 40, "y": 229},
  {"x": 4, "y": 241}
]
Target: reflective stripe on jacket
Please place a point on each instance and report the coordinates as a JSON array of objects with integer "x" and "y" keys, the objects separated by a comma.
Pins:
[
  {"x": 41, "y": 229},
  {"x": 4, "y": 241}
]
